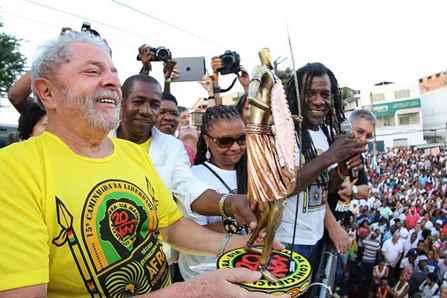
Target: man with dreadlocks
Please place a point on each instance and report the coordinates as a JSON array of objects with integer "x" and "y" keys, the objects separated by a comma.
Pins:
[{"x": 324, "y": 163}]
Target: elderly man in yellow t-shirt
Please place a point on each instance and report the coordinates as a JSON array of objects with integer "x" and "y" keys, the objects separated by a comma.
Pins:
[{"x": 81, "y": 212}]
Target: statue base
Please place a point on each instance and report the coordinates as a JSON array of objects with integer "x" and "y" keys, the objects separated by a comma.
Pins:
[{"x": 293, "y": 282}]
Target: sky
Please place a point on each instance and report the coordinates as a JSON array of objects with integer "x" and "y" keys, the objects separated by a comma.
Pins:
[{"x": 363, "y": 42}]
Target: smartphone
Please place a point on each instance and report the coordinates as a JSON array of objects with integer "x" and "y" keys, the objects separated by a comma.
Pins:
[{"x": 190, "y": 69}]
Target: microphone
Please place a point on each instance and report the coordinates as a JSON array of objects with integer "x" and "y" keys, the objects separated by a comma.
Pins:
[{"x": 345, "y": 129}]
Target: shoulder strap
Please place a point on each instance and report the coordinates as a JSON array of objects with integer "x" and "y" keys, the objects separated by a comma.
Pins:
[{"x": 218, "y": 177}]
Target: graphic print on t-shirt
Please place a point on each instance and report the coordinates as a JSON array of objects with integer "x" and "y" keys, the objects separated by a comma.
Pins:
[{"x": 118, "y": 227}]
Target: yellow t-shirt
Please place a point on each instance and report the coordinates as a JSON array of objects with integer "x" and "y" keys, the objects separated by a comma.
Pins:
[{"x": 87, "y": 227}]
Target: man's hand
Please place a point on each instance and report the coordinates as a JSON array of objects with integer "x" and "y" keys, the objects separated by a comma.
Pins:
[
  {"x": 340, "y": 238},
  {"x": 354, "y": 162},
  {"x": 145, "y": 55},
  {"x": 207, "y": 83},
  {"x": 345, "y": 147},
  {"x": 238, "y": 207},
  {"x": 170, "y": 70},
  {"x": 238, "y": 241},
  {"x": 244, "y": 78},
  {"x": 223, "y": 284}
]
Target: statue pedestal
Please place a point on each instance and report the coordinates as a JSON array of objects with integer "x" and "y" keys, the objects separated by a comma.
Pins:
[{"x": 293, "y": 282}]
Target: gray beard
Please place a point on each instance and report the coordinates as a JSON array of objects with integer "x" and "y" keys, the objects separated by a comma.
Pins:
[{"x": 85, "y": 106}]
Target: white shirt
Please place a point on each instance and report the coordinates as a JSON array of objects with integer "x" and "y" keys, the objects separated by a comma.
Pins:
[
  {"x": 427, "y": 290},
  {"x": 392, "y": 251},
  {"x": 171, "y": 161},
  {"x": 192, "y": 265},
  {"x": 310, "y": 221},
  {"x": 409, "y": 245}
]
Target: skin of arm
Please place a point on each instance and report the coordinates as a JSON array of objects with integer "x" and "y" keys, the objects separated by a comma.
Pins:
[
  {"x": 18, "y": 93},
  {"x": 193, "y": 238},
  {"x": 216, "y": 226},
  {"x": 338, "y": 235},
  {"x": 36, "y": 291},
  {"x": 235, "y": 205},
  {"x": 310, "y": 171}
]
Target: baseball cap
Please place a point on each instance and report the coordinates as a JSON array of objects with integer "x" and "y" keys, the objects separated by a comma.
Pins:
[
  {"x": 439, "y": 222},
  {"x": 412, "y": 253},
  {"x": 423, "y": 258}
]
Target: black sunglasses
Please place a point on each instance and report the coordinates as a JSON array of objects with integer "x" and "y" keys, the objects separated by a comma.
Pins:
[{"x": 227, "y": 142}]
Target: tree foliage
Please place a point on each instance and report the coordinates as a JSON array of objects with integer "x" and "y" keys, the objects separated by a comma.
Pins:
[
  {"x": 284, "y": 75},
  {"x": 12, "y": 62},
  {"x": 346, "y": 93}
]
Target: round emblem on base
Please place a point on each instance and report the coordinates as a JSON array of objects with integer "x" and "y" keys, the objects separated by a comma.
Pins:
[{"x": 293, "y": 282}]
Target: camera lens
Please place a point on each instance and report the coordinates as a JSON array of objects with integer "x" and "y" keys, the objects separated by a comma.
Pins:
[
  {"x": 163, "y": 54},
  {"x": 227, "y": 59}
]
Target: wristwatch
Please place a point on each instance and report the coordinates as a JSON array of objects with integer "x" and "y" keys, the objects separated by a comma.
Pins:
[{"x": 230, "y": 224}]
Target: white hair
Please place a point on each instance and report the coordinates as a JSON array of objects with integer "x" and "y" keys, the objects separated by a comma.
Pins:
[
  {"x": 364, "y": 114},
  {"x": 56, "y": 52}
]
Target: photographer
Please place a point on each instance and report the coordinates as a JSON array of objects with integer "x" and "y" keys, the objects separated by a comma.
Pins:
[
  {"x": 148, "y": 54},
  {"x": 227, "y": 63}
]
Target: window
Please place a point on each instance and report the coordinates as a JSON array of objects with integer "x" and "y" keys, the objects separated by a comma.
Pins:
[
  {"x": 400, "y": 142},
  {"x": 408, "y": 119},
  {"x": 404, "y": 93},
  {"x": 385, "y": 121},
  {"x": 378, "y": 97}
]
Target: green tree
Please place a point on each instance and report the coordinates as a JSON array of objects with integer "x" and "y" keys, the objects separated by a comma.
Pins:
[
  {"x": 12, "y": 62},
  {"x": 284, "y": 75},
  {"x": 346, "y": 93}
]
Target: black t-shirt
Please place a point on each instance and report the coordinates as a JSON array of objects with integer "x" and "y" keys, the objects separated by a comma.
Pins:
[{"x": 339, "y": 207}]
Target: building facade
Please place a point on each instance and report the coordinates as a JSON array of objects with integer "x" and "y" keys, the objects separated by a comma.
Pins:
[
  {"x": 433, "y": 89},
  {"x": 399, "y": 114}
]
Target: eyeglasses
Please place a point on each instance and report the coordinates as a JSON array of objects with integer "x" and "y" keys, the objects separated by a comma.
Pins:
[{"x": 227, "y": 142}]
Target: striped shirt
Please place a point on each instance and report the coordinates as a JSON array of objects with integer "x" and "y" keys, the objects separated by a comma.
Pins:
[{"x": 371, "y": 246}]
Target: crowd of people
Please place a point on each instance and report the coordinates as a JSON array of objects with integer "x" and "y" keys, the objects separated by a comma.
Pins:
[
  {"x": 113, "y": 192},
  {"x": 401, "y": 229}
]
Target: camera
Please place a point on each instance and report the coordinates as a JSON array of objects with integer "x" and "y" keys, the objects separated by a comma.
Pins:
[
  {"x": 86, "y": 27},
  {"x": 161, "y": 54},
  {"x": 231, "y": 63}
]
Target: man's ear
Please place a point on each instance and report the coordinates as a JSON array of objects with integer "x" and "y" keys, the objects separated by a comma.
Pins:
[{"x": 45, "y": 90}]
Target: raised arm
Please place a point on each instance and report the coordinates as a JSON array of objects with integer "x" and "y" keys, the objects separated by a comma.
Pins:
[{"x": 19, "y": 92}]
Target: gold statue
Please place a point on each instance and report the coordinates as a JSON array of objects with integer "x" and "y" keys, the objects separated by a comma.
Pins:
[{"x": 272, "y": 155}]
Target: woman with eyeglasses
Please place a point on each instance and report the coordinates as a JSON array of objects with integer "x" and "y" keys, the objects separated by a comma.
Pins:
[{"x": 221, "y": 163}]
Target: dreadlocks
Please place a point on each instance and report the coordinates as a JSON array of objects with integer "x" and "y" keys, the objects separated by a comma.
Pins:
[
  {"x": 331, "y": 124},
  {"x": 216, "y": 113}
]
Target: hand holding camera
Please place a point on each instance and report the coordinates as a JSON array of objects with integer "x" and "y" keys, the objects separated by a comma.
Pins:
[
  {"x": 229, "y": 62},
  {"x": 147, "y": 54}
]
